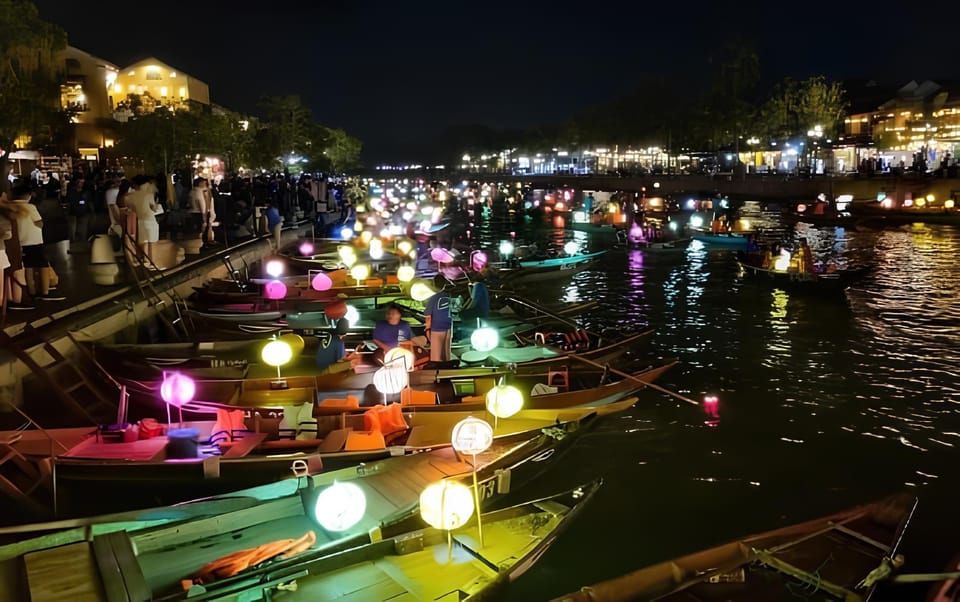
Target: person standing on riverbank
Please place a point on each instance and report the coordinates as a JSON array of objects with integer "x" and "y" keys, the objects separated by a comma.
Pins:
[
  {"x": 30, "y": 231},
  {"x": 142, "y": 200},
  {"x": 80, "y": 208},
  {"x": 274, "y": 223}
]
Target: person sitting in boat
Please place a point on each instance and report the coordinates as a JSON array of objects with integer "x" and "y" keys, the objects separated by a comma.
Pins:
[
  {"x": 478, "y": 305},
  {"x": 392, "y": 332},
  {"x": 806, "y": 256},
  {"x": 331, "y": 352}
]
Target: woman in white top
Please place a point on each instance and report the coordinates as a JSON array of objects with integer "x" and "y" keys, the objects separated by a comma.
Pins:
[{"x": 143, "y": 201}]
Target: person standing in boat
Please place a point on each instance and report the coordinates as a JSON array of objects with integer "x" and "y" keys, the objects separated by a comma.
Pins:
[
  {"x": 438, "y": 323},
  {"x": 806, "y": 256},
  {"x": 392, "y": 332}
]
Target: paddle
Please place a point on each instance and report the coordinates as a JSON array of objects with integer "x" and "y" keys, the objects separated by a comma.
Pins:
[{"x": 573, "y": 355}]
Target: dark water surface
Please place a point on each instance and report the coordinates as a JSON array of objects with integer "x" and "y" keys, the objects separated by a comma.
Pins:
[{"x": 826, "y": 402}]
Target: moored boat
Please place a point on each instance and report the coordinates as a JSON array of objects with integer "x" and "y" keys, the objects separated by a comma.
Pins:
[
  {"x": 797, "y": 280},
  {"x": 726, "y": 241}
]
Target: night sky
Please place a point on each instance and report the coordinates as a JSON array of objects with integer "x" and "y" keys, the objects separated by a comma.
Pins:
[{"x": 398, "y": 74}]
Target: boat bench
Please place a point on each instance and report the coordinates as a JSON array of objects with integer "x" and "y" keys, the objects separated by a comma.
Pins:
[{"x": 120, "y": 572}]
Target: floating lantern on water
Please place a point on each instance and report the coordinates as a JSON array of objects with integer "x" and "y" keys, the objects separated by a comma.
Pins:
[
  {"x": 274, "y": 268},
  {"x": 321, "y": 282},
  {"x": 504, "y": 401},
  {"x": 360, "y": 272},
  {"x": 402, "y": 355},
  {"x": 506, "y": 248},
  {"x": 177, "y": 389},
  {"x": 571, "y": 248},
  {"x": 340, "y": 506},
  {"x": 949, "y": 203},
  {"x": 782, "y": 264},
  {"x": 484, "y": 339},
  {"x": 580, "y": 217},
  {"x": 711, "y": 405},
  {"x": 406, "y": 273},
  {"x": 275, "y": 290},
  {"x": 636, "y": 233},
  {"x": 696, "y": 221},
  {"x": 376, "y": 249},
  {"x": 306, "y": 248},
  {"x": 346, "y": 252}
]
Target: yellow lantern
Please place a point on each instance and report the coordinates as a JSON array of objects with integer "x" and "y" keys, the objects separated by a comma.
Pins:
[
  {"x": 365, "y": 236},
  {"x": 949, "y": 203},
  {"x": 421, "y": 291},
  {"x": 345, "y": 252},
  {"x": 401, "y": 356},
  {"x": 472, "y": 436},
  {"x": 340, "y": 506},
  {"x": 276, "y": 353},
  {"x": 446, "y": 505},
  {"x": 404, "y": 246},
  {"x": 406, "y": 273},
  {"x": 360, "y": 272},
  {"x": 503, "y": 401},
  {"x": 295, "y": 341}
]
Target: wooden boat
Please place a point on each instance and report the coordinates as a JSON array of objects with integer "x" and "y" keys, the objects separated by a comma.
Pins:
[
  {"x": 156, "y": 549},
  {"x": 426, "y": 564},
  {"x": 726, "y": 241},
  {"x": 826, "y": 558},
  {"x": 906, "y": 215},
  {"x": 538, "y": 270},
  {"x": 812, "y": 281}
]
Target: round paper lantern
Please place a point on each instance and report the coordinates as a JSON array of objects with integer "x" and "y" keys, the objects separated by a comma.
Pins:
[
  {"x": 346, "y": 233},
  {"x": 346, "y": 252},
  {"x": 421, "y": 291},
  {"x": 479, "y": 260},
  {"x": 352, "y": 315},
  {"x": 335, "y": 309},
  {"x": 340, "y": 506},
  {"x": 571, "y": 248},
  {"x": 401, "y": 356},
  {"x": 365, "y": 236},
  {"x": 295, "y": 341},
  {"x": 177, "y": 389},
  {"x": 360, "y": 271},
  {"x": 321, "y": 282},
  {"x": 446, "y": 505},
  {"x": 391, "y": 379},
  {"x": 503, "y": 401},
  {"x": 275, "y": 290},
  {"x": 276, "y": 353},
  {"x": 484, "y": 339},
  {"x": 404, "y": 246},
  {"x": 441, "y": 255},
  {"x": 506, "y": 248},
  {"x": 274, "y": 268},
  {"x": 306, "y": 248},
  {"x": 406, "y": 273},
  {"x": 472, "y": 436}
]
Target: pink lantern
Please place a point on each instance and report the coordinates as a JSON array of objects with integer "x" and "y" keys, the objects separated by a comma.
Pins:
[
  {"x": 479, "y": 260},
  {"x": 636, "y": 233},
  {"x": 321, "y": 282},
  {"x": 275, "y": 290},
  {"x": 177, "y": 389},
  {"x": 711, "y": 405},
  {"x": 306, "y": 248},
  {"x": 441, "y": 255}
]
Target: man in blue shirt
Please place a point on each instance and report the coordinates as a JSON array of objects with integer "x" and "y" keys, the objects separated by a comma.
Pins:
[
  {"x": 274, "y": 221},
  {"x": 438, "y": 323},
  {"x": 389, "y": 333},
  {"x": 479, "y": 306}
]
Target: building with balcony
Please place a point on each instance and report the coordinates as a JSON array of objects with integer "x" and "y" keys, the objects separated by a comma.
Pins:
[
  {"x": 150, "y": 83},
  {"x": 84, "y": 92}
]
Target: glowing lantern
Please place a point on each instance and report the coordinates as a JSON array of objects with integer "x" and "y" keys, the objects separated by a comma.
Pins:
[
  {"x": 446, "y": 505},
  {"x": 472, "y": 436},
  {"x": 503, "y": 401},
  {"x": 366, "y": 236},
  {"x": 274, "y": 268},
  {"x": 949, "y": 203},
  {"x": 276, "y": 353},
  {"x": 921, "y": 202},
  {"x": 275, "y": 290},
  {"x": 352, "y": 315},
  {"x": 931, "y": 198},
  {"x": 321, "y": 282},
  {"x": 580, "y": 217},
  {"x": 478, "y": 260},
  {"x": 506, "y": 248},
  {"x": 696, "y": 221},
  {"x": 404, "y": 246},
  {"x": 441, "y": 255},
  {"x": 636, "y": 233},
  {"x": 357, "y": 226},
  {"x": 484, "y": 339},
  {"x": 401, "y": 356},
  {"x": 711, "y": 405},
  {"x": 406, "y": 273},
  {"x": 177, "y": 389},
  {"x": 344, "y": 252},
  {"x": 571, "y": 248},
  {"x": 360, "y": 272},
  {"x": 346, "y": 233},
  {"x": 801, "y": 208},
  {"x": 782, "y": 264},
  {"x": 335, "y": 309},
  {"x": 421, "y": 291},
  {"x": 306, "y": 248},
  {"x": 340, "y": 506},
  {"x": 376, "y": 249},
  {"x": 391, "y": 379},
  {"x": 295, "y": 341}
]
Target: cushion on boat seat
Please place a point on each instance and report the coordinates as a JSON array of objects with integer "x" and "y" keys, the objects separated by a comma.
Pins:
[
  {"x": 229, "y": 422},
  {"x": 333, "y": 403},
  {"x": 387, "y": 420},
  {"x": 409, "y": 397},
  {"x": 542, "y": 389},
  {"x": 364, "y": 440}
]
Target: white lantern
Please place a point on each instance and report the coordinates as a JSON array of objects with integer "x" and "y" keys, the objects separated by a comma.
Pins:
[
  {"x": 446, "y": 505},
  {"x": 484, "y": 339},
  {"x": 503, "y": 401},
  {"x": 274, "y": 268},
  {"x": 340, "y": 506},
  {"x": 360, "y": 272},
  {"x": 346, "y": 252},
  {"x": 404, "y": 246},
  {"x": 352, "y": 315},
  {"x": 421, "y": 291},
  {"x": 391, "y": 379},
  {"x": 401, "y": 356},
  {"x": 406, "y": 273},
  {"x": 472, "y": 436},
  {"x": 571, "y": 248},
  {"x": 506, "y": 248}
]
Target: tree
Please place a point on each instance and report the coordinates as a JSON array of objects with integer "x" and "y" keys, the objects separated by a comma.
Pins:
[
  {"x": 341, "y": 151},
  {"x": 288, "y": 129},
  {"x": 797, "y": 107},
  {"x": 31, "y": 63}
]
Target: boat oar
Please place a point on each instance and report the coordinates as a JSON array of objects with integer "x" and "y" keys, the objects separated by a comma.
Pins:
[
  {"x": 923, "y": 577},
  {"x": 627, "y": 375}
]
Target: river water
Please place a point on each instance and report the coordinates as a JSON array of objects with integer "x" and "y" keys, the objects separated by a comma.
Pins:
[{"x": 826, "y": 402}]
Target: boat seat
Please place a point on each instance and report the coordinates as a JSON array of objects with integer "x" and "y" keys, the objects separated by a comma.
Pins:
[
  {"x": 387, "y": 420},
  {"x": 120, "y": 572},
  {"x": 345, "y": 405},
  {"x": 244, "y": 445},
  {"x": 364, "y": 441},
  {"x": 559, "y": 378},
  {"x": 409, "y": 397}
]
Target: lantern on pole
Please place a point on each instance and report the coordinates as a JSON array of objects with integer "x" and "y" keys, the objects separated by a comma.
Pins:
[
  {"x": 321, "y": 282},
  {"x": 275, "y": 290},
  {"x": 473, "y": 436},
  {"x": 340, "y": 506},
  {"x": 360, "y": 272},
  {"x": 277, "y": 353},
  {"x": 447, "y": 506},
  {"x": 391, "y": 378},
  {"x": 295, "y": 341},
  {"x": 478, "y": 260},
  {"x": 306, "y": 248},
  {"x": 406, "y": 273},
  {"x": 400, "y": 354},
  {"x": 421, "y": 291},
  {"x": 274, "y": 268},
  {"x": 177, "y": 389},
  {"x": 504, "y": 401},
  {"x": 484, "y": 338}
]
